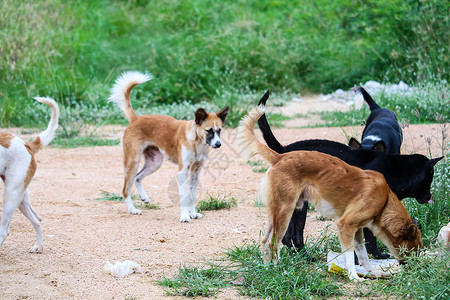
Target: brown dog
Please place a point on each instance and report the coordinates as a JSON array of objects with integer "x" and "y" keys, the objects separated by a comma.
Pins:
[
  {"x": 355, "y": 198},
  {"x": 185, "y": 143}
]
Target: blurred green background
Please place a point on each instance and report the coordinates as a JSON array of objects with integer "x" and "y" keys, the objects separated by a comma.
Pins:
[{"x": 201, "y": 50}]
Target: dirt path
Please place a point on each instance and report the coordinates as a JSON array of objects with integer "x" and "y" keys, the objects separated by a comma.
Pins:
[{"x": 81, "y": 232}]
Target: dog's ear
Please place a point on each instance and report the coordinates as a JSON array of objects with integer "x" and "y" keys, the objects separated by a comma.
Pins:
[
  {"x": 200, "y": 116},
  {"x": 379, "y": 146},
  {"x": 354, "y": 143},
  {"x": 434, "y": 161},
  {"x": 223, "y": 113},
  {"x": 411, "y": 232}
]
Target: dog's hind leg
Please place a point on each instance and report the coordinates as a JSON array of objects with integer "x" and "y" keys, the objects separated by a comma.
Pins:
[
  {"x": 132, "y": 156},
  {"x": 11, "y": 199},
  {"x": 28, "y": 211},
  {"x": 153, "y": 161},
  {"x": 281, "y": 216}
]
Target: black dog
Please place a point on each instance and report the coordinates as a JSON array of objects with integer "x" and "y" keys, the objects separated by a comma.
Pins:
[
  {"x": 406, "y": 175},
  {"x": 382, "y": 131}
]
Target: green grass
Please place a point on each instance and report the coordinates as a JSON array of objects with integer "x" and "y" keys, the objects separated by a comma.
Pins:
[
  {"x": 209, "y": 52},
  {"x": 427, "y": 103},
  {"x": 216, "y": 203},
  {"x": 83, "y": 141},
  {"x": 108, "y": 196}
]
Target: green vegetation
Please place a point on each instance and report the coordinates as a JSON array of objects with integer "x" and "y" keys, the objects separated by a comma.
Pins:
[
  {"x": 108, "y": 196},
  {"x": 427, "y": 103},
  {"x": 209, "y": 52},
  {"x": 216, "y": 203}
]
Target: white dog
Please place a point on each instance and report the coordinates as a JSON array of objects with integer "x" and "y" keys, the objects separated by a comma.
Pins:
[{"x": 17, "y": 168}]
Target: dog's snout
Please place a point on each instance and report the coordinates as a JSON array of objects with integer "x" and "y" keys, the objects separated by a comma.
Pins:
[{"x": 217, "y": 144}]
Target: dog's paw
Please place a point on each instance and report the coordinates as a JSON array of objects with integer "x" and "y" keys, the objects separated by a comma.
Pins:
[
  {"x": 145, "y": 200},
  {"x": 195, "y": 215},
  {"x": 135, "y": 211},
  {"x": 185, "y": 219},
  {"x": 36, "y": 249}
]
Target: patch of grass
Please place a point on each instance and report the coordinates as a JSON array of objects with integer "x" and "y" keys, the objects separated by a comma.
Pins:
[
  {"x": 424, "y": 277},
  {"x": 83, "y": 141},
  {"x": 108, "y": 196},
  {"x": 294, "y": 277},
  {"x": 216, "y": 203},
  {"x": 196, "y": 281}
]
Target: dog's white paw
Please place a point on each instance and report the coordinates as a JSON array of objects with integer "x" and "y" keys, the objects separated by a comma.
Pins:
[
  {"x": 355, "y": 277},
  {"x": 185, "y": 215},
  {"x": 135, "y": 211},
  {"x": 195, "y": 215},
  {"x": 145, "y": 200},
  {"x": 36, "y": 249}
]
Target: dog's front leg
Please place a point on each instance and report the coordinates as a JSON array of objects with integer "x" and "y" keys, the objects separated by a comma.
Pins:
[
  {"x": 194, "y": 178},
  {"x": 182, "y": 177},
  {"x": 363, "y": 258}
]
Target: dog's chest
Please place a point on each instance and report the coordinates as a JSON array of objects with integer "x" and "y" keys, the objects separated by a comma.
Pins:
[{"x": 194, "y": 155}]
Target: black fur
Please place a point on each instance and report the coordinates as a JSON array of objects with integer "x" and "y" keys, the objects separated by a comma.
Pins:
[
  {"x": 383, "y": 124},
  {"x": 406, "y": 175}
]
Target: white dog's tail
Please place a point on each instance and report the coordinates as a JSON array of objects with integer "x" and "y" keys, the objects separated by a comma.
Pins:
[
  {"x": 120, "y": 92},
  {"x": 246, "y": 139},
  {"x": 48, "y": 134}
]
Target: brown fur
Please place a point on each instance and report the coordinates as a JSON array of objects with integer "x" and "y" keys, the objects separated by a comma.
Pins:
[
  {"x": 154, "y": 135},
  {"x": 5, "y": 139},
  {"x": 355, "y": 198}
]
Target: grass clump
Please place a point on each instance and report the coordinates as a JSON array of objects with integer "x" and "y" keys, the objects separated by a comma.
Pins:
[
  {"x": 108, "y": 196},
  {"x": 424, "y": 277},
  {"x": 216, "y": 203},
  {"x": 196, "y": 281}
]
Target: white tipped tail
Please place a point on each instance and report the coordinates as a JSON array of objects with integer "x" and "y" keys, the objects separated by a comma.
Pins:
[
  {"x": 359, "y": 100},
  {"x": 48, "y": 134},
  {"x": 120, "y": 92}
]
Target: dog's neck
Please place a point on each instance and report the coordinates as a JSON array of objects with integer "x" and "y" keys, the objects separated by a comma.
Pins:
[{"x": 196, "y": 139}]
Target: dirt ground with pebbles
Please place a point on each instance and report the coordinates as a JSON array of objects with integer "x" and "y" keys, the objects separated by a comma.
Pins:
[{"x": 82, "y": 233}]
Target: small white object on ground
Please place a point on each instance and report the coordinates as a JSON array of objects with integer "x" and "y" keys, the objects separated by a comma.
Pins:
[
  {"x": 121, "y": 269},
  {"x": 336, "y": 264},
  {"x": 444, "y": 237}
]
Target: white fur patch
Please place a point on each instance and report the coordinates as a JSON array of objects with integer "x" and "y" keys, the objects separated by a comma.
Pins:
[
  {"x": 372, "y": 137},
  {"x": 326, "y": 209},
  {"x": 123, "y": 83}
]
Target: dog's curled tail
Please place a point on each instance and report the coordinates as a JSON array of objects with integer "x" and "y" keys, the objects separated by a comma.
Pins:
[
  {"x": 120, "y": 92},
  {"x": 362, "y": 94},
  {"x": 48, "y": 134},
  {"x": 246, "y": 139}
]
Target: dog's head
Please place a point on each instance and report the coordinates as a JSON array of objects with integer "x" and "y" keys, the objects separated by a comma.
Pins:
[
  {"x": 424, "y": 172},
  {"x": 209, "y": 125},
  {"x": 408, "y": 241}
]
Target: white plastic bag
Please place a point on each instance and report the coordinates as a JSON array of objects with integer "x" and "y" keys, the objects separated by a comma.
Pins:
[{"x": 121, "y": 269}]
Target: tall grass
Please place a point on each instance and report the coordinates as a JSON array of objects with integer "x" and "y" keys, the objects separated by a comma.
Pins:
[{"x": 199, "y": 50}]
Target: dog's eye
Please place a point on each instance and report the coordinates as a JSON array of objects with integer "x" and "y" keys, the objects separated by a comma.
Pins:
[
  {"x": 219, "y": 130},
  {"x": 210, "y": 131}
]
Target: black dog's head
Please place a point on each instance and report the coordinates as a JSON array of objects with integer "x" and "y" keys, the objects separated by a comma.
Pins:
[{"x": 423, "y": 181}]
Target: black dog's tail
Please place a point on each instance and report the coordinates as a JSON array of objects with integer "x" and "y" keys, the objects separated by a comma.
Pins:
[
  {"x": 270, "y": 139},
  {"x": 367, "y": 98}
]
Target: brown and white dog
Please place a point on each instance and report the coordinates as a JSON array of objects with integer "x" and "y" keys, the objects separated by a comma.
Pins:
[
  {"x": 17, "y": 168},
  {"x": 185, "y": 143},
  {"x": 355, "y": 198}
]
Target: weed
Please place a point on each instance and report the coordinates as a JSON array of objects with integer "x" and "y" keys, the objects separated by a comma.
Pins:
[
  {"x": 108, "y": 196},
  {"x": 216, "y": 203}
]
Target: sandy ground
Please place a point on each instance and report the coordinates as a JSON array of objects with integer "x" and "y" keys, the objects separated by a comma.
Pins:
[{"x": 82, "y": 233}]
